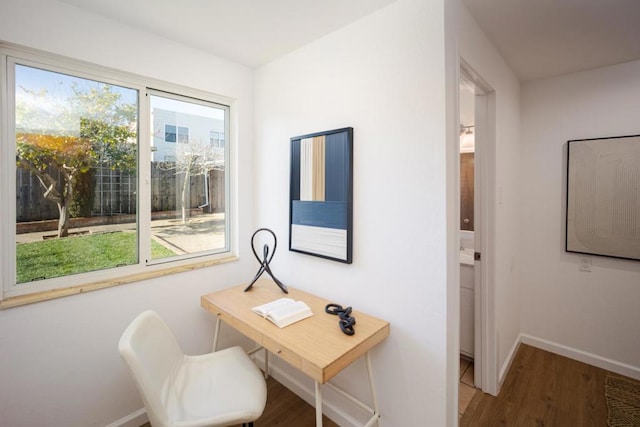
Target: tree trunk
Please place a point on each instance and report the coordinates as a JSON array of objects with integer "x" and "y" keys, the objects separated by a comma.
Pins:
[
  {"x": 63, "y": 205},
  {"x": 183, "y": 201},
  {"x": 63, "y": 220}
]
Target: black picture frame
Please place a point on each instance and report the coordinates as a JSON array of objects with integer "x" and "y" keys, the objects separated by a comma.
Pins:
[
  {"x": 603, "y": 197},
  {"x": 321, "y": 195}
]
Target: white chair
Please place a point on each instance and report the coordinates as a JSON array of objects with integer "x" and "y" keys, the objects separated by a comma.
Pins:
[{"x": 215, "y": 389}]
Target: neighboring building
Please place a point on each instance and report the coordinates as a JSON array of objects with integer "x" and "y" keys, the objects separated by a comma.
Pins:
[{"x": 171, "y": 128}]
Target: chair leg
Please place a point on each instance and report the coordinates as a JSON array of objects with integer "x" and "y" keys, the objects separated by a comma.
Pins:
[{"x": 247, "y": 424}]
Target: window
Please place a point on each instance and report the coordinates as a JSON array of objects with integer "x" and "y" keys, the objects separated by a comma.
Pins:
[
  {"x": 169, "y": 133},
  {"x": 68, "y": 131},
  {"x": 187, "y": 179},
  {"x": 216, "y": 139},
  {"x": 94, "y": 198},
  {"x": 183, "y": 134}
]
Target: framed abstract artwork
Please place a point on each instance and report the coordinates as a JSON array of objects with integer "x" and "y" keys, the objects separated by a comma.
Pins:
[
  {"x": 321, "y": 194},
  {"x": 603, "y": 197}
]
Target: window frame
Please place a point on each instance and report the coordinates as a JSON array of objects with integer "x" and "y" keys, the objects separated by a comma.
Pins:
[
  {"x": 147, "y": 197},
  {"x": 12, "y": 294}
]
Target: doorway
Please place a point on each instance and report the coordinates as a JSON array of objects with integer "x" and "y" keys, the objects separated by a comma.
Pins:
[{"x": 477, "y": 167}]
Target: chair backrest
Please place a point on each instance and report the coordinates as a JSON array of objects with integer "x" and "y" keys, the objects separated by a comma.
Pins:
[{"x": 153, "y": 356}]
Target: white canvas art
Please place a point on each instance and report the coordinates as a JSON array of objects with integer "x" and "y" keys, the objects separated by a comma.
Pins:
[{"x": 603, "y": 197}]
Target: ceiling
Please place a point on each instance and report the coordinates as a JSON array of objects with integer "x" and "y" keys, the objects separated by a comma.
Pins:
[
  {"x": 251, "y": 32},
  {"x": 543, "y": 38},
  {"x": 537, "y": 38}
]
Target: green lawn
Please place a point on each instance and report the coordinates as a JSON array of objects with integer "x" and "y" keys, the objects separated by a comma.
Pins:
[{"x": 81, "y": 254}]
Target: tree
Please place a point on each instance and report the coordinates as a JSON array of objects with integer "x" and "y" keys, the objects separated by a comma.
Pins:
[
  {"x": 70, "y": 155},
  {"x": 91, "y": 127},
  {"x": 113, "y": 148},
  {"x": 192, "y": 159}
]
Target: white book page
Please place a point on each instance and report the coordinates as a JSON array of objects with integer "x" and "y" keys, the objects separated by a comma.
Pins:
[
  {"x": 290, "y": 313},
  {"x": 265, "y": 309},
  {"x": 283, "y": 311},
  {"x": 288, "y": 310}
]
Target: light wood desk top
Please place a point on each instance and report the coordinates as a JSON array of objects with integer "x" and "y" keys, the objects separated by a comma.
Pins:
[{"x": 315, "y": 345}]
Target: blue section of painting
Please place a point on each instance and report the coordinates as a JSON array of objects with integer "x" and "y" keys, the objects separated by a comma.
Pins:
[
  {"x": 320, "y": 214},
  {"x": 337, "y": 167}
]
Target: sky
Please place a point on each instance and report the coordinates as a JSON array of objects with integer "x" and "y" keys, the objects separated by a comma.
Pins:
[
  {"x": 58, "y": 87},
  {"x": 42, "y": 99}
]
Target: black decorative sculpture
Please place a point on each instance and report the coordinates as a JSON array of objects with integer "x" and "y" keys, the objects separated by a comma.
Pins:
[{"x": 266, "y": 259}]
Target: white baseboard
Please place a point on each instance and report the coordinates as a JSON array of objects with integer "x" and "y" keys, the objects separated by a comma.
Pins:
[
  {"x": 508, "y": 361},
  {"x": 583, "y": 356},
  {"x": 307, "y": 392},
  {"x": 132, "y": 420}
]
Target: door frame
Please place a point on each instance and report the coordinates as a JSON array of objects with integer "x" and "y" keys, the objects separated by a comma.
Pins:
[{"x": 485, "y": 337}]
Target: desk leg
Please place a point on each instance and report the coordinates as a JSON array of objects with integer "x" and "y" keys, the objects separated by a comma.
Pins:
[
  {"x": 372, "y": 387},
  {"x": 318, "y": 404},
  {"x": 266, "y": 364},
  {"x": 216, "y": 334}
]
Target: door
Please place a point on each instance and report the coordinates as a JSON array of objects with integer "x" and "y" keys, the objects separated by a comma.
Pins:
[{"x": 485, "y": 342}]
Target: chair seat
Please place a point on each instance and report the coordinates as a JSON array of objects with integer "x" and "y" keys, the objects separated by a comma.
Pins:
[
  {"x": 212, "y": 390},
  {"x": 215, "y": 389}
]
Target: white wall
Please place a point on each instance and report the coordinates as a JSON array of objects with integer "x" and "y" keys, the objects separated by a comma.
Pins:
[
  {"x": 477, "y": 51},
  {"x": 383, "y": 75},
  {"x": 594, "y": 313},
  {"x": 59, "y": 363}
]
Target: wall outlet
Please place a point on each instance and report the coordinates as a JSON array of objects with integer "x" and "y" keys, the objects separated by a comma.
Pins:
[{"x": 585, "y": 264}]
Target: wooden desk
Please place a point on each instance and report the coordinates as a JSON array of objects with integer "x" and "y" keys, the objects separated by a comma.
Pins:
[{"x": 315, "y": 345}]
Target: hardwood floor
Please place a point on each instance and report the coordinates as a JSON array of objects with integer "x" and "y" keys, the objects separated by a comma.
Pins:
[
  {"x": 543, "y": 389},
  {"x": 466, "y": 389},
  {"x": 285, "y": 409}
]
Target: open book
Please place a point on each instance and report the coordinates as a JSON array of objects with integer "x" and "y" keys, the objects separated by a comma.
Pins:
[{"x": 283, "y": 311}]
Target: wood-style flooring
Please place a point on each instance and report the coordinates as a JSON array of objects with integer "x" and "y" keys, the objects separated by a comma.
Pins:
[
  {"x": 466, "y": 389},
  {"x": 543, "y": 389},
  {"x": 285, "y": 409}
]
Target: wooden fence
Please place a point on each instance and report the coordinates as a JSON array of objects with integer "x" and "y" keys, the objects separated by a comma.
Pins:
[{"x": 115, "y": 193}]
